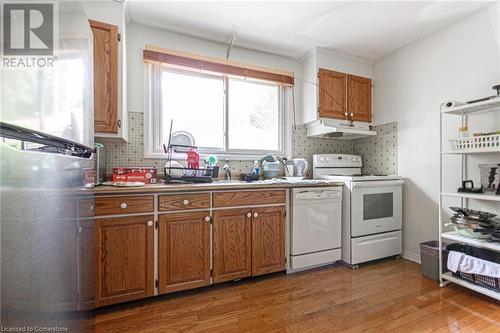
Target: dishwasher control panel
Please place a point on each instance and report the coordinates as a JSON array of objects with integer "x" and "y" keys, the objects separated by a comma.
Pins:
[{"x": 316, "y": 193}]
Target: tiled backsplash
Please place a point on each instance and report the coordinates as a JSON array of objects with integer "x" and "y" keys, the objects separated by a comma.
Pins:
[
  {"x": 302, "y": 146},
  {"x": 130, "y": 154},
  {"x": 378, "y": 153}
]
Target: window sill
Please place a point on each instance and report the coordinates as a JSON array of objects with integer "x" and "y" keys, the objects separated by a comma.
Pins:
[{"x": 220, "y": 156}]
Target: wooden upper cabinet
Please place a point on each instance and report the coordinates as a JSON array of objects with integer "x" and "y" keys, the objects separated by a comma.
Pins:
[
  {"x": 124, "y": 249},
  {"x": 268, "y": 240},
  {"x": 232, "y": 237},
  {"x": 332, "y": 94},
  {"x": 183, "y": 251},
  {"x": 105, "y": 37},
  {"x": 359, "y": 97}
]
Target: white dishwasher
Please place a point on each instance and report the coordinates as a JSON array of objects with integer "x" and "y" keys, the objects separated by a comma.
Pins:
[{"x": 316, "y": 227}]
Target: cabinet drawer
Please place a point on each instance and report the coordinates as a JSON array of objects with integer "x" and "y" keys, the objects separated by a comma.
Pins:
[
  {"x": 123, "y": 205},
  {"x": 171, "y": 202},
  {"x": 248, "y": 198},
  {"x": 374, "y": 247}
]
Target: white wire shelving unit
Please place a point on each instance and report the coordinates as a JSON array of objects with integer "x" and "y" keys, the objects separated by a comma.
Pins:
[{"x": 465, "y": 111}]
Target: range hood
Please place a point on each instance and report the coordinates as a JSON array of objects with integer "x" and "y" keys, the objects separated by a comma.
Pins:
[{"x": 331, "y": 128}]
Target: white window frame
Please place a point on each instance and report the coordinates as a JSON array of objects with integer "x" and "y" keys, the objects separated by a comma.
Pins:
[{"x": 153, "y": 141}]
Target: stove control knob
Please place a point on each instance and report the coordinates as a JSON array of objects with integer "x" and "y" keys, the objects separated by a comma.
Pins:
[
  {"x": 321, "y": 159},
  {"x": 327, "y": 158},
  {"x": 354, "y": 159}
]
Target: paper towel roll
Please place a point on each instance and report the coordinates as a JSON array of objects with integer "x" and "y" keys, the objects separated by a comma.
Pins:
[{"x": 451, "y": 104}]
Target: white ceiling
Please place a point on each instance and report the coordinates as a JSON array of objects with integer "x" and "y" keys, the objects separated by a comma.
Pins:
[{"x": 368, "y": 29}]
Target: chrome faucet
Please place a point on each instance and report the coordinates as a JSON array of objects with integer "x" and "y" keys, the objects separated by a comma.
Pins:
[{"x": 227, "y": 170}]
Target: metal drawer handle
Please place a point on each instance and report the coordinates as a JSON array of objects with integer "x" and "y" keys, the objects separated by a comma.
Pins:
[
  {"x": 255, "y": 214},
  {"x": 123, "y": 205},
  {"x": 150, "y": 223},
  {"x": 185, "y": 202},
  {"x": 249, "y": 214},
  {"x": 207, "y": 218}
]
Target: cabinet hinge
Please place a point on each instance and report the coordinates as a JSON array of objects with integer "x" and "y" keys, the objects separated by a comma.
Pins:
[
  {"x": 156, "y": 224},
  {"x": 318, "y": 74},
  {"x": 157, "y": 284},
  {"x": 318, "y": 109},
  {"x": 119, "y": 37}
]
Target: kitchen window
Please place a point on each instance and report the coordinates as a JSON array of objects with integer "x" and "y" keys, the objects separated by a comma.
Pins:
[{"x": 230, "y": 116}]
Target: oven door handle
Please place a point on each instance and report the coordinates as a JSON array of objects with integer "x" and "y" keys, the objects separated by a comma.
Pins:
[{"x": 377, "y": 183}]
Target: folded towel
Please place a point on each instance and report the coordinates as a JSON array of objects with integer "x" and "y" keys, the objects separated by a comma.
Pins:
[{"x": 464, "y": 263}]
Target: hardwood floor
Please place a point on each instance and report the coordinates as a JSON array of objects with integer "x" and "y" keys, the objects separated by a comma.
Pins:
[{"x": 389, "y": 296}]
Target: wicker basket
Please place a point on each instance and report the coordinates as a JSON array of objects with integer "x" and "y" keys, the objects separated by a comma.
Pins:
[
  {"x": 476, "y": 142},
  {"x": 480, "y": 280}
]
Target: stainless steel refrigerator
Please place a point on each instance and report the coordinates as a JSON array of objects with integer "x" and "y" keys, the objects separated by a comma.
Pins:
[{"x": 46, "y": 170}]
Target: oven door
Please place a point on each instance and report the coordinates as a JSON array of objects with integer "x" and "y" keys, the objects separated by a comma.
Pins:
[{"x": 375, "y": 207}]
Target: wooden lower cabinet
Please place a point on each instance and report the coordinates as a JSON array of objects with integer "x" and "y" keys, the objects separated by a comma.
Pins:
[
  {"x": 124, "y": 259},
  {"x": 268, "y": 240},
  {"x": 86, "y": 264},
  {"x": 183, "y": 251},
  {"x": 194, "y": 249},
  {"x": 232, "y": 242}
]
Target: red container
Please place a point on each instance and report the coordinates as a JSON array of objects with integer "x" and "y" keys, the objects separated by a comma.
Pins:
[{"x": 143, "y": 175}]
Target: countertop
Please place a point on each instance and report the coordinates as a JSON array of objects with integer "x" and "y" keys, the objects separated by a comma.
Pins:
[{"x": 217, "y": 185}]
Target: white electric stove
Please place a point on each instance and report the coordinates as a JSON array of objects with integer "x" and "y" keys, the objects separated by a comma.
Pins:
[{"x": 371, "y": 208}]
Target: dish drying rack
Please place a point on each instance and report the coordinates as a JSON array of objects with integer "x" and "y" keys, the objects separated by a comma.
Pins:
[{"x": 176, "y": 174}]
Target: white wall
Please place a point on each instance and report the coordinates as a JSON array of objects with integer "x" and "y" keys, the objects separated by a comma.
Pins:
[
  {"x": 459, "y": 62},
  {"x": 139, "y": 35},
  {"x": 344, "y": 63}
]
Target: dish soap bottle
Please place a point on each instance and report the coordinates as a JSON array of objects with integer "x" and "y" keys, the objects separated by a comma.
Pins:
[{"x": 256, "y": 169}]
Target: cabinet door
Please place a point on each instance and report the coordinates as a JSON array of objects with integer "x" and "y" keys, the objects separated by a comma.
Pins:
[
  {"x": 268, "y": 240},
  {"x": 332, "y": 94},
  {"x": 183, "y": 251},
  {"x": 124, "y": 259},
  {"x": 86, "y": 265},
  {"x": 105, "y": 77},
  {"x": 359, "y": 97},
  {"x": 232, "y": 244}
]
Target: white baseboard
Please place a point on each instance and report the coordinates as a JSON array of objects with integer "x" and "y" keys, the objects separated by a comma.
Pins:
[{"x": 415, "y": 257}]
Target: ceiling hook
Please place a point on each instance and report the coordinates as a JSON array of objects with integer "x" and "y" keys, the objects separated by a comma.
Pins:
[{"x": 231, "y": 44}]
